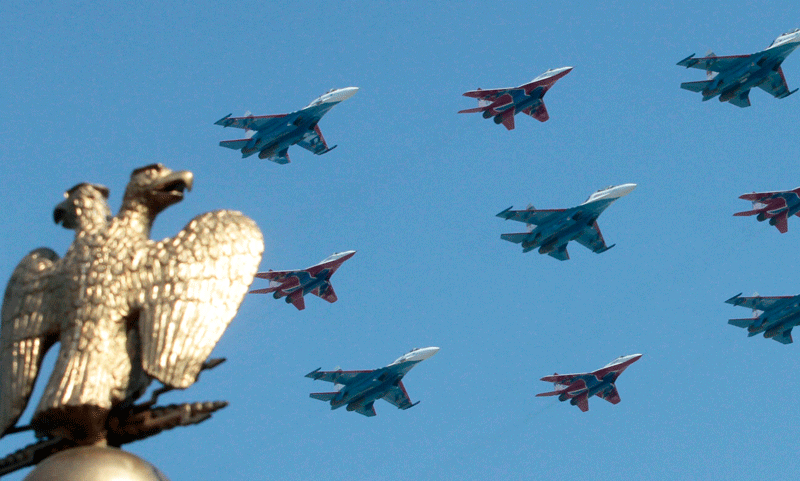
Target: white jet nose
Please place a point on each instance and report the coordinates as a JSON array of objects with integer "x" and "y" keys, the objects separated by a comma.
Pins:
[
  {"x": 341, "y": 94},
  {"x": 623, "y": 190},
  {"x": 424, "y": 353}
]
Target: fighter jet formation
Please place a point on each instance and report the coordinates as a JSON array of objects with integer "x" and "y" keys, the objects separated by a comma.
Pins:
[
  {"x": 551, "y": 230},
  {"x": 548, "y": 230},
  {"x": 733, "y": 76}
]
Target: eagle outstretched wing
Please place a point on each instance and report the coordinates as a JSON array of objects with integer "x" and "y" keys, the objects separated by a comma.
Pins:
[
  {"x": 192, "y": 286},
  {"x": 30, "y": 323}
]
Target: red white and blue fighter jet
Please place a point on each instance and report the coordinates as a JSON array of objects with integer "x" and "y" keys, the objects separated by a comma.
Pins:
[
  {"x": 296, "y": 284},
  {"x": 504, "y": 104},
  {"x": 775, "y": 206},
  {"x": 774, "y": 316},
  {"x": 272, "y": 135},
  {"x": 578, "y": 388},
  {"x": 358, "y": 390},
  {"x": 554, "y": 228},
  {"x": 733, "y": 76}
]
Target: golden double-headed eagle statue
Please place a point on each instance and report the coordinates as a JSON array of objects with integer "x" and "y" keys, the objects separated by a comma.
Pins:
[{"x": 125, "y": 310}]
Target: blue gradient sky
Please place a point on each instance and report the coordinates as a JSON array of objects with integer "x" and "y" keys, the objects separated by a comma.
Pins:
[{"x": 91, "y": 92}]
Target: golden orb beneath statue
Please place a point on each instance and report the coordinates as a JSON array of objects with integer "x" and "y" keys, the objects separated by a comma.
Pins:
[{"x": 93, "y": 463}]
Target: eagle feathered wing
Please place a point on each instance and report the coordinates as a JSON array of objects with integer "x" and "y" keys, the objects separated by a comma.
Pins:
[
  {"x": 192, "y": 285},
  {"x": 32, "y": 310}
]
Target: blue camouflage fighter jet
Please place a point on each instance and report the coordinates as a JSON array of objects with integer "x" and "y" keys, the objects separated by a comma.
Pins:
[
  {"x": 733, "y": 76},
  {"x": 551, "y": 229},
  {"x": 774, "y": 316},
  {"x": 272, "y": 135},
  {"x": 359, "y": 390}
]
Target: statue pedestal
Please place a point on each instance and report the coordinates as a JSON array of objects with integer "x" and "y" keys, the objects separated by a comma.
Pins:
[{"x": 92, "y": 463}]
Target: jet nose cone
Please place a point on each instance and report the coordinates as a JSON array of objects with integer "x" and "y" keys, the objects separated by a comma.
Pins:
[
  {"x": 624, "y": 189},
  {"x": 425, "y": 353},
  {"x": 560, "y": 72},
  {"x": 342, "y": 94}
]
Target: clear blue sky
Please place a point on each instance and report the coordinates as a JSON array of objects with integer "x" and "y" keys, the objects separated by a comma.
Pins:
[{"x": 90, "y": 92}]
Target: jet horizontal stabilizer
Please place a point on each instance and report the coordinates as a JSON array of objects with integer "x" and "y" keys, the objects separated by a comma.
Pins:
[
  {"x": 551, "y": 393},
  {"x": 235, "y": 144},
  {"x": 748, "y": 212},
  {"x": 323, "y": 396},
  {"x": 517, "y": 238},
  {"x": 475, "y": 110},
  {"x": 698, "y": 86},
  {"x": 743, "y": 323}
]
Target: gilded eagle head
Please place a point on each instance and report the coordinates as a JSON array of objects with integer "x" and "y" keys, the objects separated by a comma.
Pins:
[
  {"x": 155, "y": 187},
  {"x": 84, "y": 206}
]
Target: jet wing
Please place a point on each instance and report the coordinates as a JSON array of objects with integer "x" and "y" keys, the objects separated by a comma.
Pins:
[
  {"x": 337, "y": 377},
  {"x": 314, "y": 141},
  {"x": 592, "y": 238},
  {"x": 714, "y": 64},
  {"x": 250, "y": 122},
  {"x": 775, "y": 84},
  {"x": 758, "y": 303},
  {"x": 530, "y": 216},
  {"x": 398, "y": 396},
  {"x": 611, "y": 396}
]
